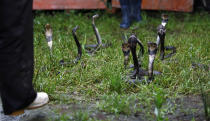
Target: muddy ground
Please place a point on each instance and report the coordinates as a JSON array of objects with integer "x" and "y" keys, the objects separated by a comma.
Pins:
[{"x": 186, "y": 108}]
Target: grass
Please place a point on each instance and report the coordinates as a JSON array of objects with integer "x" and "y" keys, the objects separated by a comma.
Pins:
[
  {"x": 77, "y": 116},
  {"x": 116, "y": 104},
  {"x": 102, "y": 75}
]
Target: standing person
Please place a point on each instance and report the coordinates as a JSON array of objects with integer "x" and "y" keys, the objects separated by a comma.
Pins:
[
  {"x": 130, "y": 12},
  {"x": 16, "y": 58}
]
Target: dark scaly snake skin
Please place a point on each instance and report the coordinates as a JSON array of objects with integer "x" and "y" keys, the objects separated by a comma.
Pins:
[
  {"x": 133, "y": 41},
  {"x": 99, "y": 44},
  {"x": 161, "y": 31},
  {"x": 79, "y": 49},
  {"x": 138, "y": 71}
]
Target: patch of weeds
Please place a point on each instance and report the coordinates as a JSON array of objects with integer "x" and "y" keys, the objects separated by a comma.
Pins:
[
  {"x": 116, "y": 86},
  {"x": 160, "y": 99},
  {"x": 81, "y": 116},
  {"x": 113, "y": 80},
  {"x": 63, "y": 117},
  {"x": 76, "y": 116},
  {"x": 117, "y": 104}
]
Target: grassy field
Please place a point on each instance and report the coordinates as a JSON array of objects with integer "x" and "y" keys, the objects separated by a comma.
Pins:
[{"x": 100, "y": 79}]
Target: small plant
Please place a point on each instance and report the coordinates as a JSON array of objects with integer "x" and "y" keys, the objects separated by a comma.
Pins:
[
  {"x": 62, "y": 117},
  {"x": 77, "y": 116},
  {"x": 159, "y": 101},
  {"x": 115, "y": 85},
  {"x": 114, "y": 80},
  {"x": 117, "y": 104},
  {"x": 81, "y": 116}
]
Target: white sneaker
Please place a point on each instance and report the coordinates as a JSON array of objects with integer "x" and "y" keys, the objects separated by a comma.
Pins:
[{"x": 40, "y": 100}]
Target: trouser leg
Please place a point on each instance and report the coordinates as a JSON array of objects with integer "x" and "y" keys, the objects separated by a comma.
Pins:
[
  {"x": 135, "y": 10},
  {"x": 16, "y": 54},
  {"x": 124, "y": 4}
]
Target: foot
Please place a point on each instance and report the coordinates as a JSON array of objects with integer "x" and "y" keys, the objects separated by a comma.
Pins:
[
  {"x": 125, "y": 17},
  {"x": 124, "y": 25},
  {"x": 18, "y": 112},
  {"x": 40, "y": 100},
  {"x": 125, "y": 22}
]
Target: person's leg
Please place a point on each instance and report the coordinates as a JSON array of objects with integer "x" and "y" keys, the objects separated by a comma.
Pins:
[
  {"x": 124, "y": 4},
  {"x": 135, "y": 10},
  {"x": 16, "y": 55}
]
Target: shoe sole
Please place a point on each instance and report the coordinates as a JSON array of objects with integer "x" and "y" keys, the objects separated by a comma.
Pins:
[
  {"x": 20, "y": 112},
  {"x": 31, "y": 108},
  {"x": 17, "y": 113}
]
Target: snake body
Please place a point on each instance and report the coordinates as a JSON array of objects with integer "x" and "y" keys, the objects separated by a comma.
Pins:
[
  {"x": 138, "y": 71},
  {"x": 152, "y": 50},
  {"x": 161, "y": 31},
  {"x": 99, "y": 44},
  {"x": 133, "y": 41},
  {"x": 79, "y": 49}
]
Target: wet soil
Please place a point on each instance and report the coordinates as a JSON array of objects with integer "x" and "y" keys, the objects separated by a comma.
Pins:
[{"x": 186, "y": 108}]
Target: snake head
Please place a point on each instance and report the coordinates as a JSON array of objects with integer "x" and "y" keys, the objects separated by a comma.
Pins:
[
  {"x": 48, "y": 30},
  {"x": 126, "y": 48},
  {"x": 164, "y": 17},
  {"x": 94, "y": 16},
  {"x": 48, "y": 35},
  {"x": 152, "y": 48},
  {"x": 75, "y": 28},
  {"x": 132, "y": 40},
  {"x": 47, "y": 26}
]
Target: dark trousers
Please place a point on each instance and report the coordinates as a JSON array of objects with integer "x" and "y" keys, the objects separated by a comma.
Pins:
[{"x": 16, "y": 54}]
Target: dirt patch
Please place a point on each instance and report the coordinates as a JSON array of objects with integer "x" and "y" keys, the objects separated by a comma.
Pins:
[{"x": 186, "y": 108}]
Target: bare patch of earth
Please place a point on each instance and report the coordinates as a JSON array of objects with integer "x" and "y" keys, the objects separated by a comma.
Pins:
[{"x": 186, "y": 108}]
